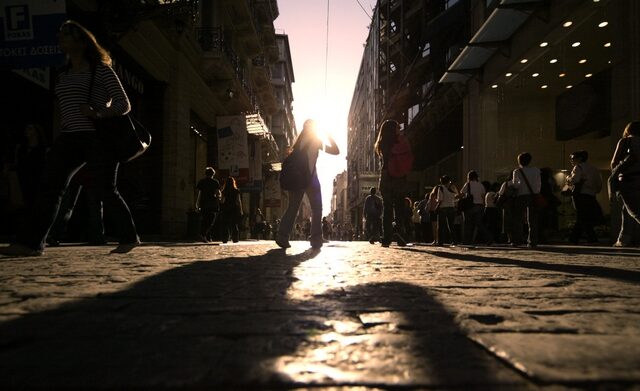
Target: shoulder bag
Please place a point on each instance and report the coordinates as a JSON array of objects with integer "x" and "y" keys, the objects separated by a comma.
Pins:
[
  {"x": 465, "y": 203},
  {"x": 539, "y": 201},
  {"x": 295, "y": 175},
  {"x": 123, "y": 134}
]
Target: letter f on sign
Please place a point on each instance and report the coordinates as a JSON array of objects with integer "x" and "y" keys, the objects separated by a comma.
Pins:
[{"x": 17, "y": 17}]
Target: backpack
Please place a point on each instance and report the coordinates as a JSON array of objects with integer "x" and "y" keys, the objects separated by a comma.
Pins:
[
  {"x": 295, "y": 173},
  {"x": 401, "y": 159}
]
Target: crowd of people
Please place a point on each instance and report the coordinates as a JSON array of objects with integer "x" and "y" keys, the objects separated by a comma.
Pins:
[{"x": 520, "y": 211}]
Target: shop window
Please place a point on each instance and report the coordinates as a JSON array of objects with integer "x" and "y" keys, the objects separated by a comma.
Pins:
[{"x": 585, "y": 109}]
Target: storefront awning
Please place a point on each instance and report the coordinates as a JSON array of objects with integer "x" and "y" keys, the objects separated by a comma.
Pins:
[{"x": 503, "y": 22}]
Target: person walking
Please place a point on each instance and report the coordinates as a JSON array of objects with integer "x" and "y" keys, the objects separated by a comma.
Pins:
[
  {"x": 491, "y": 211},
  {"x": 310, "y": 143},
  {"x": 585, "y": 182},
  {"x": 259, "y": 225},
  {"x": 373, "y": 216},
  {"x": 526, "y": 180},
  {"x": 79, "y": 143},
  {"x": 446, "y": 197},
  {"x": 390, "y": 138},
  {"x": 230, "y": 210},
  {"x": 208, "y": 203},
  {"x": 628, "y": 150},
  {"x": 506, "y": 199},
  {"x": 473, "y": 216}
]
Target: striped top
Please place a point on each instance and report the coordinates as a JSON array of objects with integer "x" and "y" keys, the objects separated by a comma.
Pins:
[{"x": 72, "y": 89}]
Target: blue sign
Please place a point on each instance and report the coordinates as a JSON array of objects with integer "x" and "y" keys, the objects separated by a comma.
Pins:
[{"x": 28, "y": 33}]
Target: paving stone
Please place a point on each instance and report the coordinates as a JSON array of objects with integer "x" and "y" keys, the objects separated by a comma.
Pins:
[{"x": 251, "y": 315}]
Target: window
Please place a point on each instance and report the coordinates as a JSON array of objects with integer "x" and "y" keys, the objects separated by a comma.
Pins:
[
  {"x": 394, "y": 26},
  {"x": 426, "y": 50},
  {"x": 412, "y": 113},
  {"x": 450, "y": 3}
]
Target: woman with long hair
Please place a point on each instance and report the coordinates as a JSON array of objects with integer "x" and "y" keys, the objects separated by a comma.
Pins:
[
  {"x": 391, "y": 188},
  {"x": 231, "y": 210},
  {"x": 310, "y": 143},
  {"x": 79, "y": 144},
  {"x": 628, "y": 149}
]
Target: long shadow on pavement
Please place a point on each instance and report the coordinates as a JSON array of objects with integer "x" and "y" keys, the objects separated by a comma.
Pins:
[
  {"x": 596, "y": 271},
  {"x": 229, "y": 323}
]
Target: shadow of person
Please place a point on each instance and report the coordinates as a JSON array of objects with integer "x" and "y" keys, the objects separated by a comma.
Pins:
[
  {"x": 612, "y": 273},
  {"x": 405, "y": 326},
  {"x": 233, "y": 323}
]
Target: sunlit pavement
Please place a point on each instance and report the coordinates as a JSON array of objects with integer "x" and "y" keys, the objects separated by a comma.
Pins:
[{"x": 353, "y": 314}]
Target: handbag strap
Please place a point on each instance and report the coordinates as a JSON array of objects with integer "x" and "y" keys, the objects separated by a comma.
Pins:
[
  {"x": 524, "y": 176},
  {"x": 91, "y": 81}
]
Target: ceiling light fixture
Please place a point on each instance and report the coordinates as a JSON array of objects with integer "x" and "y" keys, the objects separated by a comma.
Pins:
[
  {"x": 544, "y": 86},
  {"x": 544, "y": 44},
  {"x": 568, "y": 23},
  {"x": 494, "y": 86},
  {"x": 508, "y": 74},
  {"x": 535, "y": 74},
  {"x": 575, "y": 44},
  {"x": 524, "y": 61},
  {"x": 562, "y": 75},
  {"x": 588, "y": 75},
  {"x": 569, "y": 86},
  {"x": 582, "y": 61},
  {"x": 553, "y": 61},
  {"x": 607, "y": 45},
  {"x": 603, "y": 24}
]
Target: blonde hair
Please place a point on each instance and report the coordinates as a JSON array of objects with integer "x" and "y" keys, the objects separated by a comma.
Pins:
[{"x": 93, "y": 52}]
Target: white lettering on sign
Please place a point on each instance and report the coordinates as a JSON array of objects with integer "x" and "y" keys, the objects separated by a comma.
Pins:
[
  {"x": 127, "y": 77},
  {"x": 17, "y": 24}
]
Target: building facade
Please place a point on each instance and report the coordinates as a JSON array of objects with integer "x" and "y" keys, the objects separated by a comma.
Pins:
[
  {"x": 188, "y": 66},
  {"x": 549, "y": 78},
  {"x": 409, "y": 46}
]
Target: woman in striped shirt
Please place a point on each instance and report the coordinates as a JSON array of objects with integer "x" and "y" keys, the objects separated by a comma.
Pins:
[{"x": 79, "y": 144}]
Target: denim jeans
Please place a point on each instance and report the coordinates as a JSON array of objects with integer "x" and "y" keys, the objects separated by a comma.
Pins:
[
  {"x": 314, "y": 195},
  {"x": 446, "y": 220},
  {"x": 473, "y": 220},
  {"x": 69, "y": 153},
  {"x": 630, "y": 193},
  {"x": 392, "y": 191},
  {"x": 522, "y": 204}
]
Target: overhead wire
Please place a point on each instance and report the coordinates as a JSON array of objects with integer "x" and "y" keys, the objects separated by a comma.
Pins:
[
  {"x": 326, "y": 53},
  {"x": 363, "y": 9}
]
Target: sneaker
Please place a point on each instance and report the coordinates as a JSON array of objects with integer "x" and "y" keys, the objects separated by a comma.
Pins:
[
  {"x": 124, "y": 248},
  {"x": 53, "y": 242},
  {"x": 20, "y": 250},
  {"x": 283, "y": 243},
  {"x": 400, "y": 240}
]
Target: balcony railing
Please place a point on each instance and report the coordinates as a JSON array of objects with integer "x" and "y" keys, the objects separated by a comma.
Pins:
[{"x": 211, "y": 39}]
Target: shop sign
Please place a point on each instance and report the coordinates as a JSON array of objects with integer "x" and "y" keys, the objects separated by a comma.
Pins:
[
  {"x": 29, "y": 33},
  {"x": 233, "y": 147}
]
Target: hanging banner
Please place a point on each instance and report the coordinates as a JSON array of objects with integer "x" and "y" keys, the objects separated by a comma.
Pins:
[
  {"x": 272, "y": 193},
  {"x": 233, "y": 147},
  {"x": 29, "y": 31}
]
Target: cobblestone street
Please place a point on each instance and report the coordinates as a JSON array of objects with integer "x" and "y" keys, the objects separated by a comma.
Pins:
[{"x": 180, "y": 315}]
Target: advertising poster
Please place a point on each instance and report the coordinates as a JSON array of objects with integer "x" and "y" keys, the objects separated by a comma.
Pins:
[
  {"x": 29, "y": 33},
  {"x": 233, "y": 148}
]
